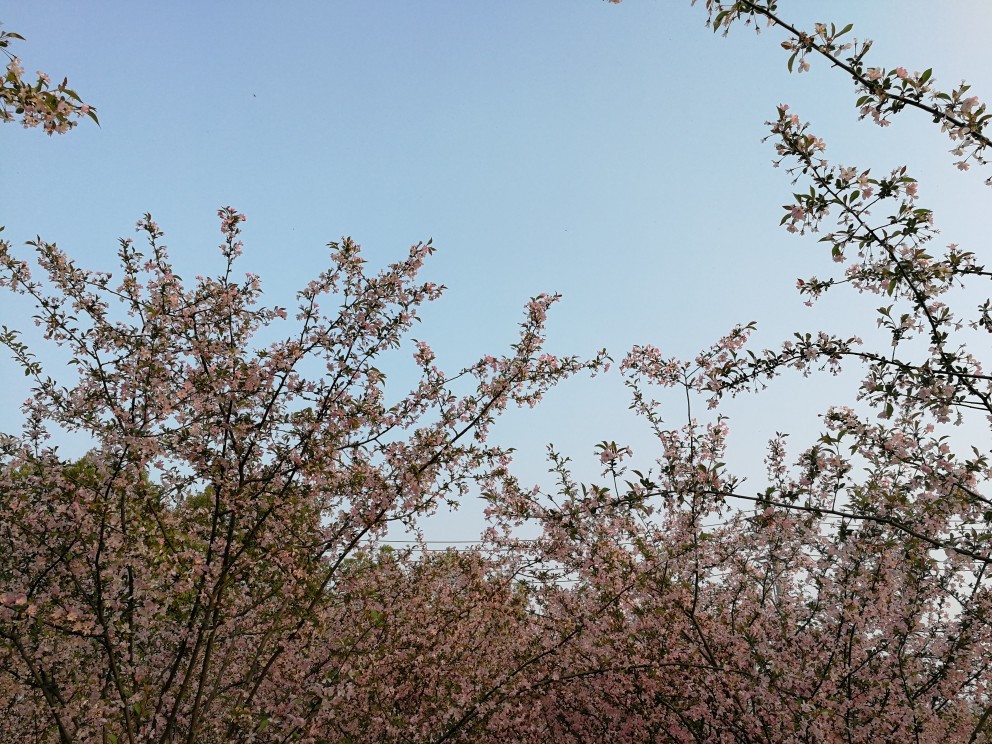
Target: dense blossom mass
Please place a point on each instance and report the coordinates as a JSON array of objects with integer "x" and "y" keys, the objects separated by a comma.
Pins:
[{"x": 214, "y": 570}]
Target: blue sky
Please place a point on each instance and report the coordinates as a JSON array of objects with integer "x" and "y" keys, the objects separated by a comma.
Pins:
[{"x": 610, "y": 153}]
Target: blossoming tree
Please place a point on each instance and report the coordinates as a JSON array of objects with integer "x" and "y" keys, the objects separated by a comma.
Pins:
[
  {"x": 211, "y": 570},
  {"x": 848, "y": 599}
]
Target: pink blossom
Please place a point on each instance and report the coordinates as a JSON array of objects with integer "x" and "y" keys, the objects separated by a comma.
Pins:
[{"x": 968, "y": 105}]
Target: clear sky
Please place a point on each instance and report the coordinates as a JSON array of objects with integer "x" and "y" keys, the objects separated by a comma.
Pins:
[{"x": 610, "y": 153}]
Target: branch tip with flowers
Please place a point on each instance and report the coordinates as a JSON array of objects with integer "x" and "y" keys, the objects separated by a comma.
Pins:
[{"x": 54, "y": 109}]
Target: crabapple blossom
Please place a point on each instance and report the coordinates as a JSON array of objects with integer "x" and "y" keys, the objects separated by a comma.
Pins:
[
  {"x": 216, "y": 568},
  {"x": 210, "y": 601},
  {"x": 38, "y": 104}
]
